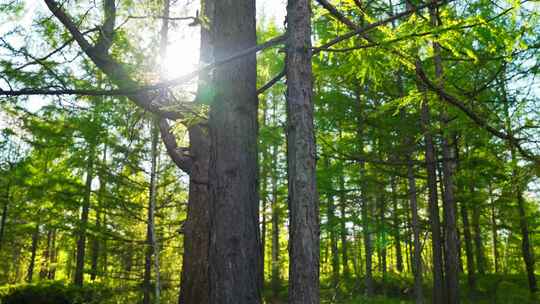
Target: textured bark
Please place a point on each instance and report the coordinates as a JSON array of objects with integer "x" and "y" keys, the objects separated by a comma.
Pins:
[
  {"x": 301, "y": 157},
  {"x": 417, "y": 270},
  {"x": 435, "y": 223},
  {"x": 78, "y": 278},
  {"x": 450, "y": 221},
  {"x": 471, "y": 269},
  {"x": 194, "y": 284},
  {"x": 235, "y": 252},
  {"x": 33, "y": 252},
  {"x": 450, "y": 213}
]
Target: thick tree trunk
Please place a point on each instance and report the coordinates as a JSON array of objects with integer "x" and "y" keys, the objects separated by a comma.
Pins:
[
  {"x": 81, "y": 241},
  {"x": 235, "y": 245},
  {"x": 301, "y": 156},
  {"x": 195, "y": 281},
  {"x": 33, "y": 252},
  {"x": 417, "y": 270},
  {"x": 194, "y": 285}
]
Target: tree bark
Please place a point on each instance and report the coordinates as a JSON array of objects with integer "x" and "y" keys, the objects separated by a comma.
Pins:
[
  {"x": 435, "y": 223},
  {"x": 478, "y": 242},
  {"x": 301, "y": 157},
  {"x": 235, "y": 245}
]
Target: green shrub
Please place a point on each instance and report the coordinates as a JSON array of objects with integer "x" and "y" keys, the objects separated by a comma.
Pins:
[{"x": 53, "y": 292}]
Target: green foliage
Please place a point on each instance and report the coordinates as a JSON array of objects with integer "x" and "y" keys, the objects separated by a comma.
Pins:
[{"x": 54, "y": 292}]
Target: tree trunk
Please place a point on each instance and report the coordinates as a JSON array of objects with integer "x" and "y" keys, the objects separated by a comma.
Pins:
[
  {"x": 45, "y": 259},
  {"x": 301, "y": 157},
  {"x": 33, "y": 251},
  {"x": 417, "y": 269},
  {"x": 96, "y": 244},
  {"x": 397, "y": 226},
  {"x": 194, "y": 284},
  {"x": 4, "y": 216},
  {"x": 435, "y": 223},
  {"x": 53, "y": 256},
  {"x": 494, "y": 232},
  {"x": 81, "y": 241},
  {"x": 471, "y": 270},
  {"x": 343, "y": 229},
  {"x": 331, "y": 220},
  {"x": 235, "y": 245},
  {"x": 478, "y": 243},
  {"x": 365, "y": 205},
  {"x": 276, "y": 279},
  {"x": 150, "y": 224}
]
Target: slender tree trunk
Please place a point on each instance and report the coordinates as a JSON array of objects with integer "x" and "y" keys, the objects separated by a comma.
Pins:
[
  {"x": 78, "y": 278},
  {"x": 33, "y": 251},
  {"x": 494, "y": 232},
  {"x": 53, "y": 256},
  {"x": 471, "y": 270},
  {"x": 150, "y": 225},
  {"x": 397, "y": 226},
  {"x": 365, "y": 205},
  {"x": 417, "y": 269},
  {"x": 96, "y": 244},
  {"x": 343, "y": 229},
  {"x": 235, "y": 245},
  {"x": 276, "y": 279},
  {"x": 45, "y": 259},
  {"x": 478, "y": 242},
  {"x": 331, "y": 219},
  {"x": 4, "y": 215},
  {"x": 435, "y": 223},
  {"x": 303, "y": 198}
]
